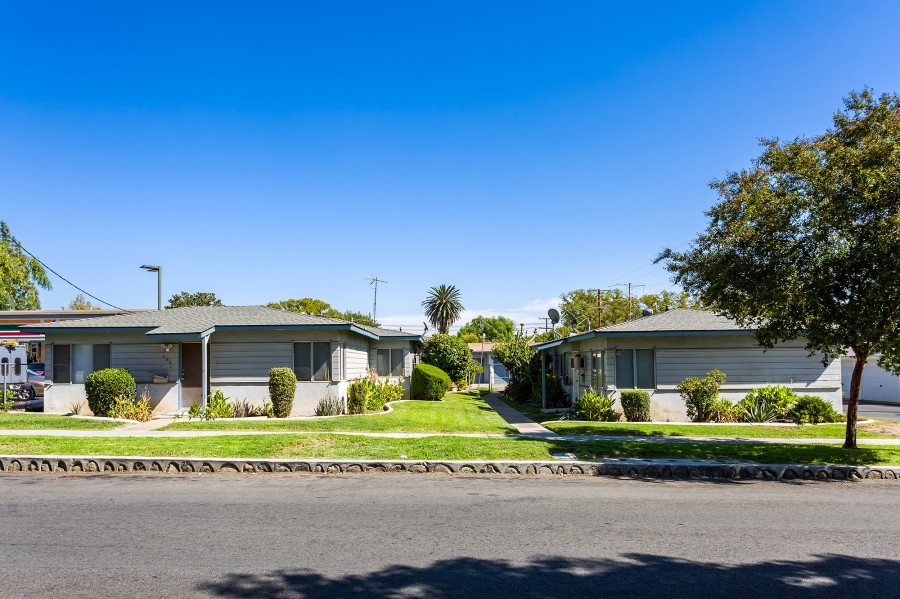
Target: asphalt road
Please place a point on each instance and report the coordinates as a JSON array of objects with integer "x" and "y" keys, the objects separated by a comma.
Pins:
[{"x": 436, "y": 536}]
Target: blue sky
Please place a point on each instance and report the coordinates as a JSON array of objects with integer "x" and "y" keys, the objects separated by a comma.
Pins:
[{"x": 517, "y": 150}]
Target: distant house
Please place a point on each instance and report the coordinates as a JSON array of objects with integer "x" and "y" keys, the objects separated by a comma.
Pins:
[
  {"x": 12, "y": 323},
  {"x": 164, "y": 350},
  {"x": 495, "y": 373},
  {"x": 878, "y": 385},
  {"x": 657, "y": 352}
]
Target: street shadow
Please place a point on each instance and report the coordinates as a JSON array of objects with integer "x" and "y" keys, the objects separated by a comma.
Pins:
[{"x": 632, "y": 575}]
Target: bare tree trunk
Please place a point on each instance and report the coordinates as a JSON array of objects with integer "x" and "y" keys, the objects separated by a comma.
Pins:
[{"x": 853, "y": 400}]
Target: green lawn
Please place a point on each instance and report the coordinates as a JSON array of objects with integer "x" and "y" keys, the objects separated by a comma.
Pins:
[
  {"x": 746, "y": 431},
  {"x": 436, "y": 448},
  {"x": 50, "y": 421},
  {"x": 459, "y": 413}
]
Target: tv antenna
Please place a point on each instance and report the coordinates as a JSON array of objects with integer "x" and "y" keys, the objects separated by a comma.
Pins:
[{"x": 373, "y": 282}]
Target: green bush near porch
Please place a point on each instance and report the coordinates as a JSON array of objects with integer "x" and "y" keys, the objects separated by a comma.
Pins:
[
  {"x": 636, "y": 405},
  {"x": 282, "y": 387},
  {"x": 103, "y": 386},
  {"x": 429, "y": 383}
]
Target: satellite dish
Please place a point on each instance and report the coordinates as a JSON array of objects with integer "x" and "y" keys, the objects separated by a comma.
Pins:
[
  {"x": 646, "y": 312},
  {"x": 553, "y": 313}
]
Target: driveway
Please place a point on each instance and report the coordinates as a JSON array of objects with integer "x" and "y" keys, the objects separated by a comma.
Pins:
[{"x": 878, "y": 410}]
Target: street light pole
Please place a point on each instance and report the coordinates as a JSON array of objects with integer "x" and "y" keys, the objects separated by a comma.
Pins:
[{"x": 158, "y": 271}]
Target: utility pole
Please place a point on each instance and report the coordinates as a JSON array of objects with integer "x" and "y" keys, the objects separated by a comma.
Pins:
[
  {"x": 546, "y": 325},
  {"x": 630, "y": 286},
  {"x": 373, "y": 281}
]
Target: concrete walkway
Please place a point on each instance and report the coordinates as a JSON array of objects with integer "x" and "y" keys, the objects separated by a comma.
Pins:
[{"x": 513, "y": 417}]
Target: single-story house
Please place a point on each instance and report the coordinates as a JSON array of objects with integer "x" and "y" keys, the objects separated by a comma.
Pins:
[
  {"x": 495, "y": 373},
  {"x": 878, "y": 385},
  {"x": 179, "y": 354},
  {"x": 657, "y": 352}
]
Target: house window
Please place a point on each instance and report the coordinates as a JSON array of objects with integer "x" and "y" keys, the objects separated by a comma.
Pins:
[
  {"x": 312, "y": 361},
  {"x": 396, "y": 362},
  {"x": 382, "y": 362},
  {"x": 635, "y": 369},
  {"x": 62, "y": 357},
  {"x": 101, "y": 357},
  {"x": 598, "y": 373},
  {"x": 389, "y": 362}
]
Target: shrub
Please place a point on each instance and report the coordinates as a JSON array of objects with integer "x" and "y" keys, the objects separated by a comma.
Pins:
[
  {"x": 359, "y": 393},
  {"x": 812, "y": 409},
  {"x": 103, "y": 386},
  {"x": 390, "y": 391},
  {"x": 217, "y": 406},
  {"x": 557, "y": 396},
  {"x": 700, "y": 395},
  {"x": 330, "y": 406},
  {"x": 246, "y": 409},
  {"x": 636, "y": 405},
  {"x": 596, "y": 407},
  {"x": 765, "y": 404},
  {"x": 429, "y": 383},
  {"x": 725, "y": 411},
  {"x": 282, "y": 387},
  {"x": 450, "y": 354},
  {"x": 131, "y": 409}
]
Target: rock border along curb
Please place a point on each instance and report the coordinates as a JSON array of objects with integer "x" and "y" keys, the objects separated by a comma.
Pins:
[{"x": 661, "y": 468}]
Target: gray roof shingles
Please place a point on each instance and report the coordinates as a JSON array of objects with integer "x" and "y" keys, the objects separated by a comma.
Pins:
[
  {"x": 680, "y": 319},
  {"x": 202, "y": 318}
]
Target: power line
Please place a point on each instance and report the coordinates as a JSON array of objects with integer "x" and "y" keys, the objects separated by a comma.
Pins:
[{"x": 39, "y": 261}]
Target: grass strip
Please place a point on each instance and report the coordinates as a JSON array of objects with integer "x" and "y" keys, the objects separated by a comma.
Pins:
[
  {"x": 439, "y": 448},
  {"x": 53, "y": 422},
  {"x": 463, "y": 412},
  {"x": 740, "y": 431}
]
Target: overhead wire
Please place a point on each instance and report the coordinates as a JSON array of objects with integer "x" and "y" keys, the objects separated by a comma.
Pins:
[{"x": 42, "y": 263}]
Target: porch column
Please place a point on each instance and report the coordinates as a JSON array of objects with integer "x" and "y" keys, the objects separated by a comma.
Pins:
[
  {"x": 204, "y": 384},
  {"x": 543, "y": 379}
]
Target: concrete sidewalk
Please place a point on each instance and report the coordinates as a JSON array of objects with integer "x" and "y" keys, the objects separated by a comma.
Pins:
[{"x": 523, "y": 423}]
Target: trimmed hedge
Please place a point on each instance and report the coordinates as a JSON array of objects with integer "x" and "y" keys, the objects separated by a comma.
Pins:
[
  {"x": 429, "y": 383},
  {"x": 636, "y": 405},
  {"x": 282, "y": 387},
  {"x": 103, "y": 386}
]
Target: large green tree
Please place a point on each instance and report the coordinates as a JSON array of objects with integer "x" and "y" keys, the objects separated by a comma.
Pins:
[
  {"x": 805, "y": 242},
  {"x": 20, "y": 275},
  {"x": 199, "y": 298},
  {"x": 579, "y": 308},
  {"x": 317, "y": 307},
  {"x": 494, "y": 328},
  {"x": 443, "y": 307}
]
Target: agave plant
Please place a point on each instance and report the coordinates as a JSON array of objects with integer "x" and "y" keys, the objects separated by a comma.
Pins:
[
  {"x": 443, "y": 306},
  {"x": 759, "y": 411}
]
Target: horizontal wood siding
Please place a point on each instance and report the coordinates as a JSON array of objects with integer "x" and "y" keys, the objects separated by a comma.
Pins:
[
  {"x": 746, "y": 366},
  {"x": 248, "y": 361},
  {"x": 357, "y": 360},
  {"x": 143, "y": 360}
]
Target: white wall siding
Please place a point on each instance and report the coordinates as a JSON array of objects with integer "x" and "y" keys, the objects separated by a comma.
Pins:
[
  {"x": 143, "y": 360},
  {"x": 357, "y": 360},
  {"x": 746, "y": 366},
  {"x": 246, "y": 362}
]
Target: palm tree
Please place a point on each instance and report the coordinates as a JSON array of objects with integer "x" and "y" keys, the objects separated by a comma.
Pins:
[{"x": 442, "y": 306}]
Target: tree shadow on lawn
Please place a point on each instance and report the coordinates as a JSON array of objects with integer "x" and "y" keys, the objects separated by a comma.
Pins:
[{"x": 632, "y": 575}]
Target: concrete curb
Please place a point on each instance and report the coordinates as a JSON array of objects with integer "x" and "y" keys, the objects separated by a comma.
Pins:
[{"x": 634, "y": 468}]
